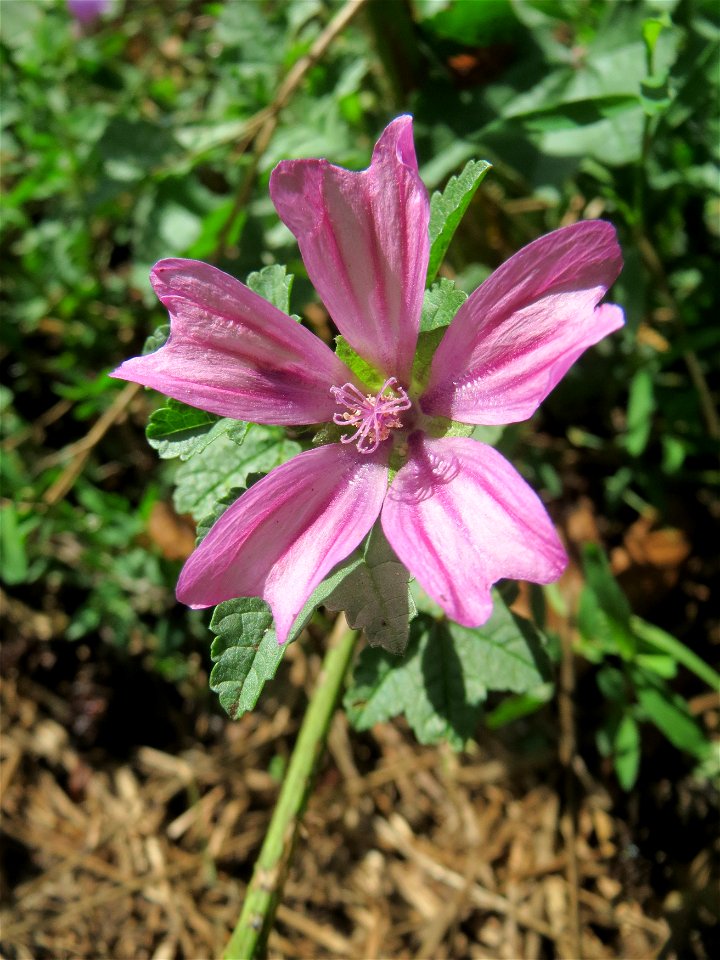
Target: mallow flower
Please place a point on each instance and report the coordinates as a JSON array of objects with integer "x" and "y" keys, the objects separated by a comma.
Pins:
[
  {"x": 456, "y": 513},
  {"x": 86, "y": 11}
]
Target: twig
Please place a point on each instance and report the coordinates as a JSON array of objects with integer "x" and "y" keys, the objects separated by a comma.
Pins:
[
  {"x": 272, "y": 864},
  {"x": 272, "y": 113},
  {"x": 396, "y": 832},
  {"x": 58, "y": 410},
  {"x": 80, "y": 451}
]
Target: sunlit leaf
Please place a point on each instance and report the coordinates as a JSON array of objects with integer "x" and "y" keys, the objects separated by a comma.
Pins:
[
  {"x": 445, "y": 676},
  {"x": 447, "y": 209}
]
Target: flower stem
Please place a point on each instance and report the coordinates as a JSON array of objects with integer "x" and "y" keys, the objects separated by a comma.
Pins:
[{"x": 263, "y": 894}]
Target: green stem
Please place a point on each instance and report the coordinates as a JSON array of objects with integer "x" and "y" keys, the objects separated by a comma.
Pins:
[{"x": 252, "y": 929}]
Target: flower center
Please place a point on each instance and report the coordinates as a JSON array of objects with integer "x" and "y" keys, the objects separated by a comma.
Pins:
[{"x": 374, "y": 416}]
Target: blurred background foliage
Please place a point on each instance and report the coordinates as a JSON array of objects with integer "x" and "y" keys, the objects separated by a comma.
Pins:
[{"x": 141, "y": 135}]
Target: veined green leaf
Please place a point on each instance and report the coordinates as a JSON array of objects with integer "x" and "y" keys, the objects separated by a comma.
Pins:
[
  {"x": 441, "y": 302},
  {"x": 374, "y": 596},
  {"x": 447, "y": 210},
  {"x": 245, "y": 648},
  {"x": 177, "y": 430},
  {"x": 223, "y": 465},
  {"x": 447, "y": 671},
  {"x": 273, "y": 283}
]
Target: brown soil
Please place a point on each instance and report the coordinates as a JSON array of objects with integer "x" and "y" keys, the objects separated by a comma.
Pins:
[{"x": 126, "y": 838}]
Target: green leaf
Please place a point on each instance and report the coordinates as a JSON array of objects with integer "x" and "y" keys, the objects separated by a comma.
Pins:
[
  {"x": 670, "y": 714},
  {"x": 245, "y": 648},
  {"x": 440, "y": 304},
  {"x": 374, "y": 596},
  {"x": 447, "y": 210},
  {"x": 13, "y": 555},
  {"x": 371, "y": 377},
  {"x": 424, "y": 352},
  {"x": 212, "y": 473},
  {"x": 176, "y": 430},
  {"x": 210, "y": 519},
  {"x": 656, "y": 95},
  {"x": 273, "y": 283},
  {"x": 156, "y": 339},
  {"x": 641, "y": 405},
  {"x": 626, "y": 751},
  {"x": 519, "y": 705},
  {"x": 245, "y": 651},
  {"x": 658, "y": 639},
  {"x": 447, "y": 671},
  {"x": 604, "y": 612}
]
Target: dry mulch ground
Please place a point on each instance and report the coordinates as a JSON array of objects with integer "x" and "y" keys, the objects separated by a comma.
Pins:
[{"x": 142, "y": 849}]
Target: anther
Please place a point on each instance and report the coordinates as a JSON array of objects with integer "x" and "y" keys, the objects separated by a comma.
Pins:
[{"x": 374, "y": 416}]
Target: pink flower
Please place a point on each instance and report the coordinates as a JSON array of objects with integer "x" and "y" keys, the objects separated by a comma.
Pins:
[
  {"x": 85, "y": 11},
  {"x": 457, "y": 514}
]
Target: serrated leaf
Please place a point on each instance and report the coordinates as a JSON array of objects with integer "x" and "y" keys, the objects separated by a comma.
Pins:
[
  {"x": 223, "y": 465},
  {"x": 374, "y": 596},
  {"x": 440, "y": 304},
  {"x": 176, "y": 430},
  {"x": 273, "y": 283},
  {"x": 156, "y": 339},
  {"x": 245, "y": 648},
  {"x": 446, "y": 674},
  {"x": 371, "y": 377},
  {"x": 447, "y": 210},
  {"x": 245, "y": 651}
]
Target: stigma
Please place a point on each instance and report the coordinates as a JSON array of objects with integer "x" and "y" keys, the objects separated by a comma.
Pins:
[{"x": 374, "y": 416}]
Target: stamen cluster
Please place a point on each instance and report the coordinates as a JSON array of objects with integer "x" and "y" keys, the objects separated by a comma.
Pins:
[{"x": 374, "y": 416}]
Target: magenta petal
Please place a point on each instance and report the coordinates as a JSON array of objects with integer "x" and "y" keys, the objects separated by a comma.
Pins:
[
  {"x": 233, "y": 353},
  {"x": 364, "y": 239},
  {"x": 287, "y": 532},
  {"x": 514, "y": 339},
  {"x": 460, "y": 517}
]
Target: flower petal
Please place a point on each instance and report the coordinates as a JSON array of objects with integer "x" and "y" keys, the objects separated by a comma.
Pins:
[
  {"x": 460, "y": 517},
  {"x": 516, "y": 336},
  {"x": 364, "y": 239},
  {"x": 287, "y": 532},
  {"x": 233, "y": 353}
]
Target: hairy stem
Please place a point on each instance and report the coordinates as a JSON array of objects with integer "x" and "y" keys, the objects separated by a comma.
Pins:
[{"x": 252, "y": 929}]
